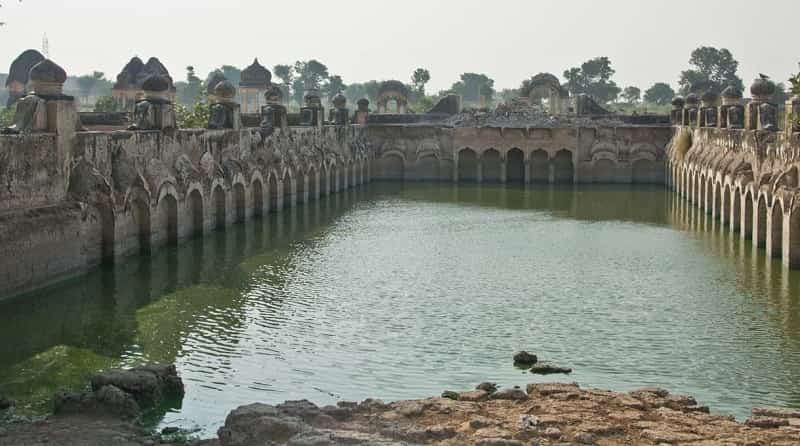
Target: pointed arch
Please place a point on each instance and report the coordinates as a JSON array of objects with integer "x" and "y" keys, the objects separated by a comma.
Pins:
[
  {"x": 467, "y": 165},
  {"x": 776, "y": 230},
  {"x": 540, "y": 166},
  {"x": 490, "y": 166},
  {"x": 515, "y": 166}
]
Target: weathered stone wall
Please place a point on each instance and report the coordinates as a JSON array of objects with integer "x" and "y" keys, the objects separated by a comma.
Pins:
[
  {"x": 520, "y": 155},
  {"x": 129, "y": 192},
  {"x": 744, "y": 181}
]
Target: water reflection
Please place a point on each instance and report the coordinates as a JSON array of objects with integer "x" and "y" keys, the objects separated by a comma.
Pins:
[{"x": 400, "y": 291}]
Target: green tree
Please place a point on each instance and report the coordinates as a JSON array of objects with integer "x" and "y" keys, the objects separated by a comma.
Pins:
[
  {"x": 712, "y": 69},
  {"x": 632, "y": 94},
  {"x": 189, "y": 92},
  {"x": 195, "y": 117},
  {"x": 106, "y": 104},
  {"x": 419, "y": 78},
  {"x": 357, "y": 90},
  {"x": 233, "y": 74},
  {"x": 660, "y": 94},
  {"x": 473, "y": 87},
  {"x": 593, "y": 78},
  {"x": 7, "y": 116},
  {"x": 87, "y": 84},
  {"x": 334, "y": 86}
]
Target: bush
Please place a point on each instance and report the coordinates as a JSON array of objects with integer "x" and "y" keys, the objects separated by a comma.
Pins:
[
  {"x": 106, "y": 104},
  {"x": 193, "y": 118},
  {"x": 6, "y": 117}
]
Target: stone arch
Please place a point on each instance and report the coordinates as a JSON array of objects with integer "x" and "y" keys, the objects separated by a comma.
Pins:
[
  {"x": 717, "y": 210},
  {"x": 195, "y": 204},
  {"x": 325, "y": 186},
  {"x": 793, "y": 255},
  {"x": 467, "y": 165},
  {"x": 736, "y": 210},
  {"x": 141, "y": 219},
  {"x": 761, "y": 222},
  {"x": 644, "y": 171},
  {"x": 219, "y": 207},
  {"x": 747, "y": 215},
  {"x": 427, "y": 168},
  {"x": 392, "y": 166},
  {"x": 168, "y": 219},
  {"x": 288, "y": 189},
  {"x": 490, "y": 166},
  {"x": 258, "y": 197},
  {"x": 725, "y": 216},
  {"x": 604, "y": 170},
  {"x": 239, "y": 202},
  {"x": 300, "y": 186},
  {"x": 274, "y": 192},
  {"x": 515, "y": 166},
  {"x": 776, "y": 229},
  {"x": 563, "y": 168},
  {"x": 313, "y": 183},
  {"x": 540, "y": 166},
  {"x": 708, "y": 198}
]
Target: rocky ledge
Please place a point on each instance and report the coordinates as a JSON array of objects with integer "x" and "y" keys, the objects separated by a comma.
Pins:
[{"x": 541, "y": 414}]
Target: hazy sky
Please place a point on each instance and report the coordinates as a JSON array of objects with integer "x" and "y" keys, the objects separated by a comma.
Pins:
[{"x": 509, "y": 40}]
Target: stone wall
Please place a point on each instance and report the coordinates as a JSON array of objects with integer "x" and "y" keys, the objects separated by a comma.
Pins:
[
  {"x": 742, "y": 181},
  {"x": 126, "y": 193},
  {"x": 630, "y": 154}
]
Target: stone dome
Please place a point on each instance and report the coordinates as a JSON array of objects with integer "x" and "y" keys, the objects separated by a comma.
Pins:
[
  {"x": 692, "y": 99},
  {"x": 678, "y": 102},
  {"x": 762, "y": 88},
  {"x": 156, "y": 83},
  {"x": 225, "y": 90},
  {"x": 731, "y": 92},
  {"x": 393, "y": 86},
  {"x": 256, "y": 75},
  {"x": 339, "y": 101},
  {"x": 212, "y": 81},
  {"x": 21, "y": 67},
  {"x": 48, "y": 71},
  {"x": 710, "y": 97}
]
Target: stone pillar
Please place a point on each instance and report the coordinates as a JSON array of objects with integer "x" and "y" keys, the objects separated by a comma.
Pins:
[
  {"x": 731, "y": 112},
  {"x": 503, "y": 170},
  {"x": 527, "y": 166},
  {"x": 761, "y": 113},
  {"x": 676, "y": 115},
  {"x": 362, "y": 114},
  {"x": 225, "y": 113},
  {"x": 692, "y": 111},
  {"x": 339, "y": 114},
  {"x": 709, "y": 112},
  {"x": 273, "y": 115},
  {"x": 312, "y": 114},
  {"x": 155, "y": 111}
]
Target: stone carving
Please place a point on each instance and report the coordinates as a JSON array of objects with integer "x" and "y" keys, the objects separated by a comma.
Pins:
[
  {"x": 224, "y": 113},
  {"x": 339, "y": 114},
  {"x": 155, "y": 111},
  {"x": 46, "y": 80}
]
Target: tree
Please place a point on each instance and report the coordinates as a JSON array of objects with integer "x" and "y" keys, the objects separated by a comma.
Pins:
[
  {"x": 712, "y": 69},
  {"x": 312, "y": 73},
  {"x": 660, "y": 94},
  {"x": 419, "y": 78},
  {"x": 356, "y": 91},
  {"x": 106, "y": 104},
  {"x": 87, "y": 83},
  {"x": 191, "y": 91},
  {"x": 632, "y": 94},
  {"x": 334, "y": 86},
  {"x": 593, "y": 78},
  {"x": 473, "y": 87},
  {"x": 233, "y": 74}
]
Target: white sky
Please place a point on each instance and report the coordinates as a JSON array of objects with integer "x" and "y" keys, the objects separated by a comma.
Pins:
[{"x": 509, "y": 40}]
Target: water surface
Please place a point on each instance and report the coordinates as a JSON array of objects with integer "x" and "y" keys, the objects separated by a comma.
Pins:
[{"x": 398, "y": 291}]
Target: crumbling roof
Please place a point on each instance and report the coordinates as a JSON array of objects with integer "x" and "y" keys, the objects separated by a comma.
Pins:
[
  {"x": 212, "y": 81},
  {"x": 22, "y": 65}
]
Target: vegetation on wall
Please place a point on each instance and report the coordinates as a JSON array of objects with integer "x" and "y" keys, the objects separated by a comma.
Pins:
[
  {"x": 195, "y": 117},
  {"x": 6, "y": 117}
]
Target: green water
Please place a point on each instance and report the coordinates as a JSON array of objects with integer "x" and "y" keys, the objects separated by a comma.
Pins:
[{"x": 404, "y": 291}]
